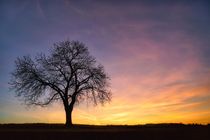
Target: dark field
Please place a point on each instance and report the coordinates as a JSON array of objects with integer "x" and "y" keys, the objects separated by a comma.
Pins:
[{"x": 140, "y": 132}]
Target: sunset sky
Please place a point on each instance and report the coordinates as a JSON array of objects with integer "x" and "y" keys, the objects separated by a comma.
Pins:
[{"x": 157, "y": 54}]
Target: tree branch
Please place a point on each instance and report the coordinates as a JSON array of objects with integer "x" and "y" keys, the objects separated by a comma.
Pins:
[{"x": 48, "y": 102}]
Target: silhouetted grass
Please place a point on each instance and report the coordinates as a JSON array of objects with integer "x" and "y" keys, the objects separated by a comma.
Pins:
[{"x": 149, "y": 131}]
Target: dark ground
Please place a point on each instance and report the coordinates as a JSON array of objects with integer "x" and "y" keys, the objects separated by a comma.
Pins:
[{"x": 140, "y": 132}]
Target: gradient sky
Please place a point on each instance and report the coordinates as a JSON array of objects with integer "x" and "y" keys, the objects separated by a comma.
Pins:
[{"x": 157, "y": 54}]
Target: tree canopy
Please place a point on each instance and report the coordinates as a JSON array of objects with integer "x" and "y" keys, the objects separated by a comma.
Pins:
[{"x": 68, "y": 74}]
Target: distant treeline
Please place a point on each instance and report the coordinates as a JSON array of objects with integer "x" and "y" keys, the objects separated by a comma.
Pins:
[{"x": 57, "y": 126}]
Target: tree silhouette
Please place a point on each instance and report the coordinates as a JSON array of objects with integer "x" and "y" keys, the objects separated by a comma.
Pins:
[{"x": 68, "y": 74}]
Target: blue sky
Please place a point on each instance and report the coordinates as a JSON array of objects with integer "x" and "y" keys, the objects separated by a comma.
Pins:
[{"x": 156, "y": 53}]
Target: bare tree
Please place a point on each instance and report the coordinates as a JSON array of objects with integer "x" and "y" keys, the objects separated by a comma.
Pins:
[{"x": 69, "y": 74}]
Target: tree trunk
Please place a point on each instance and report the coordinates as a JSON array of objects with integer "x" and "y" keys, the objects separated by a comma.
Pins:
[
  {"x": 69, "y": 109},
  {"x": 68, "y": 117}
]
